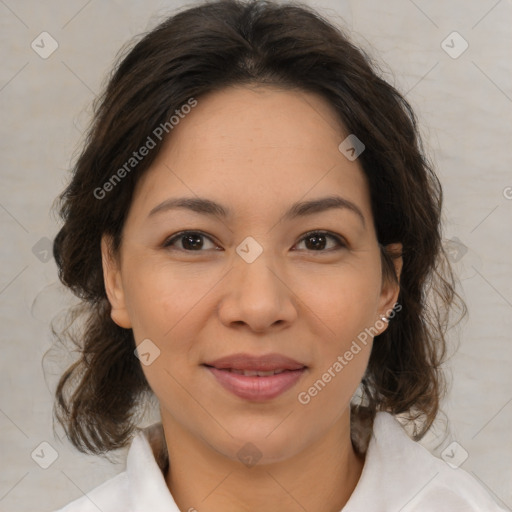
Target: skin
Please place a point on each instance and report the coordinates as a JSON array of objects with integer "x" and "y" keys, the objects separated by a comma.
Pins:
[{"x": 255, "y": 150}]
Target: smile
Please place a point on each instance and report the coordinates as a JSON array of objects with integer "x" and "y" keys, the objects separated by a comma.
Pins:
[{"x": 256, "y": 386}]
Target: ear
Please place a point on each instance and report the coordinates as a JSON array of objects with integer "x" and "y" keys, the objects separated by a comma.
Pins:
[
  {"x": 390, "y": 285},
  {"x": 114, "y": 284}
]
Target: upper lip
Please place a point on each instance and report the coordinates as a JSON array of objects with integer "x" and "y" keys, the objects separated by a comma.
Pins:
[{"x": 263, "y": 363}]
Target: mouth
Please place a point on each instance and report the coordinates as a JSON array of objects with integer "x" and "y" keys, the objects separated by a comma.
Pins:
[
  {"x": 264, "y": 363},
  {"x": 256, "y": 378},
  {"x": 253, "y": 373}
]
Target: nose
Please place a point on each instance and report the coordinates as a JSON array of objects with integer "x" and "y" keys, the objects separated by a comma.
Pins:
[{"x": 257, "y": 296}]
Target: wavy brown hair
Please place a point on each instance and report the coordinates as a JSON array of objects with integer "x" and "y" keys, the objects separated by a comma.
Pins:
[{"x": 208, "y": 47}]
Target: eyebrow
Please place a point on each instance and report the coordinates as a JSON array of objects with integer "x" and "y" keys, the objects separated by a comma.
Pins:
[{"x": 300, "y": 209}]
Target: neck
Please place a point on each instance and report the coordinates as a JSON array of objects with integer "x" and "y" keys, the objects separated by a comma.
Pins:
[{"x": 203, "y": 480}]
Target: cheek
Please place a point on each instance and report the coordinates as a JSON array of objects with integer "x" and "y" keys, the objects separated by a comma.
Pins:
[
  {"x": 327, "y": 394},
  {"x": 159, "y": 296},
  {"x": 344, "y": 306},
  {"x": 167, "y": 306},
  {"x": 344, "y": 300},
  {"x": 161, "y": 308}
]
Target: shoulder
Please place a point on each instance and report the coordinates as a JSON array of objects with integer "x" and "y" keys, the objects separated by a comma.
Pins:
[
  {"x": 140, "y": 487},
  {"x": 108, "y": 497},
  {"x": 400, "y": 474}
]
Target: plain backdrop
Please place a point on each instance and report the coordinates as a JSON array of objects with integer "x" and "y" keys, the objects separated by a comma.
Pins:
[{"x": 463, "y": 97}]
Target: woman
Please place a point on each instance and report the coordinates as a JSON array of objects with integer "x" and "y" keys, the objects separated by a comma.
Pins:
[{"x": 254, "y": 230}]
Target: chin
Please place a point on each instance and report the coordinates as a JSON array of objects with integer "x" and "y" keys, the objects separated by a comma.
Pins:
[
  {"x": 260, "y": 451},
  {"x": 271, "y": 439}
]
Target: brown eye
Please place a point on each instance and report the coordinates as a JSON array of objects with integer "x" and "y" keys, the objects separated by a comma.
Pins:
[
  {"x": 317, "y": 241},
  {"x": 190, "y": 241}
]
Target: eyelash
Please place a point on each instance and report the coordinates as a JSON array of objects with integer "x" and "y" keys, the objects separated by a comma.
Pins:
[{"x": 339, "y": 240}]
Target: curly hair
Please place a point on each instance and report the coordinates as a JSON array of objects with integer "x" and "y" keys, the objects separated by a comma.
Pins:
[{"x": 205, "y": 48}]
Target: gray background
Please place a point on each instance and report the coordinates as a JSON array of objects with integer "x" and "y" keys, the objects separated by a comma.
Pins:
[{"x": 464, "y": 105}]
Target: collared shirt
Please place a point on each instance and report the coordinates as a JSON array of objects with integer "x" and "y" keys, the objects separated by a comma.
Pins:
[{"x": 398, "y": 475}]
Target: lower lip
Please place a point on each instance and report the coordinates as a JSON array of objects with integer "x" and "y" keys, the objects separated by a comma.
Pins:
[{"x": 257, "y": 389}]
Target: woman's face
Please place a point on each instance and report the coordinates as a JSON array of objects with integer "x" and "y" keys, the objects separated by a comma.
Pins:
[{"x": 248, "y": 280}]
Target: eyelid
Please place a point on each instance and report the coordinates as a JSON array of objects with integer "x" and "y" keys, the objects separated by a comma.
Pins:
[
  {"x": 176, "y": 236},
  {"x": 338, "y": 238}
]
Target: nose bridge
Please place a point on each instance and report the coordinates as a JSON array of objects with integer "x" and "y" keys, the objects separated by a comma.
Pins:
[
  {"x": 257, "y": 295},
  {"x": 254, "y": 269}
]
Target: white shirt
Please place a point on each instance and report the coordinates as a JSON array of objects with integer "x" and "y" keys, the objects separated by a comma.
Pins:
[{"x": 398, "y": 475}]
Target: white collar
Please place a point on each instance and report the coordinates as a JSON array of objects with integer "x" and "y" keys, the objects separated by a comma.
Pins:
[
  {"x": 398, "y": 474},
  {"x": 147, "y": 486},
  {"x": 149, "y": 490},
  {"x": 396, "y": 468}
]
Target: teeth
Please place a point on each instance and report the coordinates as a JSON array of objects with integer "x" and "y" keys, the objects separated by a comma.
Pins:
[{"x": 254, "y": 373}]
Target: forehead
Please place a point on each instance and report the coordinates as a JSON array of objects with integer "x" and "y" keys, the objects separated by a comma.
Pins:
[
  {"x": 267, "y": 119},
  {"x": 252, "y": 147}
]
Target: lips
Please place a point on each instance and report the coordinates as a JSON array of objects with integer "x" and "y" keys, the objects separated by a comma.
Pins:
[
  {"x": 246, "y": 362},
  {"x": 255, "y": 373},
  {"x": 256, "y": 378}
]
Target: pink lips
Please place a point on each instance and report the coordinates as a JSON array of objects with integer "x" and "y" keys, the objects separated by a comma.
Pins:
[{"x": 254, "y": 387}]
